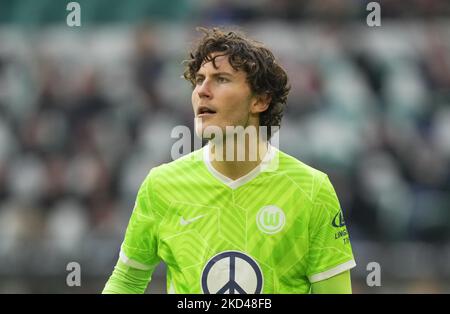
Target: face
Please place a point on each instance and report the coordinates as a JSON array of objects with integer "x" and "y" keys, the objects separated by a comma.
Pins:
[{"x": 222, "y": 97}]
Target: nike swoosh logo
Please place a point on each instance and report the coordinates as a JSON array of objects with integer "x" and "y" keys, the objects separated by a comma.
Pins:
[{"x": 185, "y": 222}]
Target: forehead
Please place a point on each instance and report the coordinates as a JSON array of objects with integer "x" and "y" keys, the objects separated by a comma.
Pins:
[{"x": 222, "y": 63}]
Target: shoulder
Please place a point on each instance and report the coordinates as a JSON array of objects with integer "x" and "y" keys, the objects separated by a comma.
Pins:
[
  {"x": 291, "y": 166},
  {"x": 308, "y": 178},
  {"x": 163, "y": 181},
  {"x": 174, "y": 169}
]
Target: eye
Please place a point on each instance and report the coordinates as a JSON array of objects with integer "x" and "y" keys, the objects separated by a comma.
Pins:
[
  {"x": 199, "y": 80},
  {"x": 222, "y": 79}
]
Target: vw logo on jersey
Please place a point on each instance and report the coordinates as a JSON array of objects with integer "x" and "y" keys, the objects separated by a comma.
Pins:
[
  {"x": 232, "y": 272},
  {"x": 270, "y": 219}
]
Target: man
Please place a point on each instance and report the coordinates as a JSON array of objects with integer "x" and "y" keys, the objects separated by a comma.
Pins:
[{"x": 238, "y": 215}]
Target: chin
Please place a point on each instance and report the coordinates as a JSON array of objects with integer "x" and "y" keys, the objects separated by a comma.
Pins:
[{"x": 207, "y": 130}]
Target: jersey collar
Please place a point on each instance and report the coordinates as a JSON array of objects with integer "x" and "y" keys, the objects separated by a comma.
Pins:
[{"x": 234, "y": 184}]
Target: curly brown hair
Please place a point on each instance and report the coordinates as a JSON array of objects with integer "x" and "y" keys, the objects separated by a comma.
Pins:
[{"x": 264, "y": 74}]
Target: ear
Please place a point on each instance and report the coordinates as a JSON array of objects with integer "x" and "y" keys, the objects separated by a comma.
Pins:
[{"x": 261, "y": 103}]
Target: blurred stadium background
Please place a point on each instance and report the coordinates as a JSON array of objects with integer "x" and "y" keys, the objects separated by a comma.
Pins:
[{"x": 86, "y": 112}]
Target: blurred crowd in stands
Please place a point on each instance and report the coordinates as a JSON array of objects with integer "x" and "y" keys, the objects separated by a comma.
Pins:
[{"x": 86, "y": 113}]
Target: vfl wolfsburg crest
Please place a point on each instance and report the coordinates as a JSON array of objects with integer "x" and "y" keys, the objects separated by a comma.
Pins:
[{"x": 270, "y": 219}]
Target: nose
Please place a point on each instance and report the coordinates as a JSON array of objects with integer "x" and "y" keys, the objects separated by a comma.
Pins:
[{"x": 204, "y": 90}]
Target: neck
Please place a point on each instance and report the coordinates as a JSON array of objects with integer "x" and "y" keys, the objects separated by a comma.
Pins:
[{"x": 236, "y": 159}]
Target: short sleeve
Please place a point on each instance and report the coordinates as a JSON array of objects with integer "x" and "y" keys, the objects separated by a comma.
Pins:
[
  {"x": 330, "y": 252},
  {"x": 139, "y": 248}
]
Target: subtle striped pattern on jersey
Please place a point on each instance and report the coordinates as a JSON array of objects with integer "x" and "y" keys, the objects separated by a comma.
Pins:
[{"x": 185, "y": 215}]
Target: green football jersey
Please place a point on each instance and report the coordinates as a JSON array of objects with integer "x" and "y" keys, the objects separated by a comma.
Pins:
[{"x": 276, "y": 230}]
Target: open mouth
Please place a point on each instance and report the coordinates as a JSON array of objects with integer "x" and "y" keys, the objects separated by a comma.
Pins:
[{"x": 205, "y": 111}]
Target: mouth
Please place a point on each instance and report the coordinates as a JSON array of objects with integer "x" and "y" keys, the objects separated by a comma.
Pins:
[{"x": 204, "y": 111}]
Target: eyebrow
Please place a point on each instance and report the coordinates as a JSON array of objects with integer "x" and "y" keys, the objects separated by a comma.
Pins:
[{"x": 216, "y": 74}]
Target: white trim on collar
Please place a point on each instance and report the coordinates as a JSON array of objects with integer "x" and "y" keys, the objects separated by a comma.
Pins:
[{"x": 234, "y": 184}]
